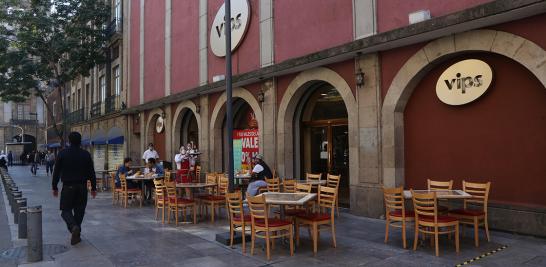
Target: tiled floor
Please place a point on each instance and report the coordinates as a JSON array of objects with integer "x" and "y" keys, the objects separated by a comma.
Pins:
[{"x": 115, "y": 236}]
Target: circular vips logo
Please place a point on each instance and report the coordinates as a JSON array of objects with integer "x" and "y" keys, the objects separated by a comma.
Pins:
[
  {"x": 464, "y": 82},
  {"x": 240, "y": 17}
]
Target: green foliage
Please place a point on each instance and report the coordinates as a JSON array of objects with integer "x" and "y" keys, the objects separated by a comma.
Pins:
[{"x": 49, "y": 40}]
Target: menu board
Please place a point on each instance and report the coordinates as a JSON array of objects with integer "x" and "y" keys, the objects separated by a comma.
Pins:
[
  {"x": 115, "y": 155},
  {"x": 99, "y": 157},
  {"x": 248, "y": 148}
]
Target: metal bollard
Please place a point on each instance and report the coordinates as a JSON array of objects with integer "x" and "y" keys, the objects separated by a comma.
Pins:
[
  {"x": 34, "y": 234},
  {"x": 15, "y": 195},
  {"x": 11, "y": 194},
  {"x": 23, "y": 222},
  {"x": 20, "y": 202}
]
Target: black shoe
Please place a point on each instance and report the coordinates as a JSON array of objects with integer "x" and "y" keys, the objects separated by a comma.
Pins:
[{"x": 75, "y": 235}]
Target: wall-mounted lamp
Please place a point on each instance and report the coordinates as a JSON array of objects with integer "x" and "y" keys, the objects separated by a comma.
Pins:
[
  {"x": 261, "y": 96},
  {"x": 359, "y": 78},
  {"x": 198, "y": 109},
  {"x": 163, "y": 114}
]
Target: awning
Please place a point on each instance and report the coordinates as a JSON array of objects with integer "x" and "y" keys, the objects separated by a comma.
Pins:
[
  {"x": 54, "y": 145},
  {"x": 86, "y": 142},
  {"x": 115, "y": 136},
  {"x": 99, "y": 138}
]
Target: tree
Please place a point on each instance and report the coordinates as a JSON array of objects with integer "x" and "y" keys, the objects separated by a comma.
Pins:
[{"x": 45, "y": 44}]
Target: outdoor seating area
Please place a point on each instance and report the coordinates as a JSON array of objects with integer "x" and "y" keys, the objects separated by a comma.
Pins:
[{"x": 430, "y": 219}]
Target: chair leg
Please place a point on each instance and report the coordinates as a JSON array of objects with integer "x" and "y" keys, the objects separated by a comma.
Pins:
[
  {"x": 194, "y": 214},
  {"x": 267, "y": 244},
  {"x": 315, "y": 238},
  {"x": 436, "y": 247},
  {"x": 231, "y": 235},
  {"x": 297, "y": 233},
  {"x": 457, "y": 238},
  {"x": 212, "y": 211},
  {"x": 333, "y": 233},
  {"x": 476, "y": 233},
  {"x": 387, "y": 222},
  {"x": 252, "y": 239},
  {"x": 176, "y": 216},
  {"x": 291, "y": 229},
  {"x": 486, "y": 226},
  {"x": 404, "y": 233},
  {"x": 416, "y": 236},
  {"x": 243, "y": 234}
]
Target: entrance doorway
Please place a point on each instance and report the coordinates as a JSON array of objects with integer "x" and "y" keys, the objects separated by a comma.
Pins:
[
  {"x": 323, "y": 136},
  {"x": 189, "y": 131}
]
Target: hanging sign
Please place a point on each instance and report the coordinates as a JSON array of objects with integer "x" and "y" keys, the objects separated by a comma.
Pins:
[
  {"x": 240, "y": 18},
  {"x": 464, "y": 82},
  {"x": 249, "y": 146}
]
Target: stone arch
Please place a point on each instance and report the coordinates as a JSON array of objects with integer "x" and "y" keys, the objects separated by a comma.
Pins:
[
  {"x": 149, "y": 128},
  {"x": 521, "y": 50},
  {"x": 217, "y": 119},
  {"x": 181, "y": 109},
  {"x": 287, "y": 108}
]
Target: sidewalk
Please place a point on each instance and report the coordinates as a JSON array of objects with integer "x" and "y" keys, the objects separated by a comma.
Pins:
[{"x": 114, "y": 236}]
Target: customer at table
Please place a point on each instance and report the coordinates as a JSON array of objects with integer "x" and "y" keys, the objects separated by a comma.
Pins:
[
  {"x": 126, "y": 170},
  {"x": 255, "y": 184},
  {"x": 261, "y": 170},
  {"x": 155, "y": 168}
]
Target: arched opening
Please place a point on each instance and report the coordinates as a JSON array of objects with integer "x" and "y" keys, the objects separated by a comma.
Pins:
[
  {"x": 156, "y": 135},
  {"x": 321, "y": 128},
  {"x": 189, "y": 130}
]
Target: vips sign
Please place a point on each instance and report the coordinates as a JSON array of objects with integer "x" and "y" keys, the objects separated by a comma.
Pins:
[
  {"x": 245, "y": 143},
  {"x": 240, "y": 17},
  {"x": 464, "y": 82}
]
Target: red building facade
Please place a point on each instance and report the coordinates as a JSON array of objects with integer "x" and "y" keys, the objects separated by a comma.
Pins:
[{"x": 296, "y": 74}]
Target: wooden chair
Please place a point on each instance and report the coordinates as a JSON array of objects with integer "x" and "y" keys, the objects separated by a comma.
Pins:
[
  {"x": 129, "y": 193},
  {"x": 161, "y": 200},
  {"x": 215, "y": 201},
  {"x": 238, "y": 220},
  {"x": 197, "y": 177},
  {"x": 333, "y": 181},
  {"x": 440, "y": 185},
  {"x": 168, "y": 176},
  {"x": 267, "y": 228},
  {"x": 475, "y": 217},
  {"x": 313, "y": 176},
  {"x": 427, "y": 220},
  {"x": 395, "y": 212},
  {"x": 177, "y": 204},
  {"x": 293, "y": 210},
  {"x": 288, "y": 186},
  {"x": 116, "y": 191},
  {"x": 314, "y": 220},
  {"x": 273, "y": 185}
]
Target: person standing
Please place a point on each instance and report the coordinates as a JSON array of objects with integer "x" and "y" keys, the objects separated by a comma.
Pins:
[
  {"x": 10, "y": 158},
  {"x": 50, "y": 162},
  {"x": 74, "y": 166},
  {"x": 36, "y": 162},
  {"x": 150, "y": 153},
  {"x": 3, "y": 160}
]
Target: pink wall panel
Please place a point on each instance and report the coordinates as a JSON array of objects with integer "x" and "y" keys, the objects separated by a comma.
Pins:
[
  {"x": 247, "y": 56},
  {"x": 134, "y": 47},
  {"x": 184, "y": 45},
  {"x": 307, "y": 26},
  {"x": 392, "y": 14},
  {"x": 154, "y": 50}
]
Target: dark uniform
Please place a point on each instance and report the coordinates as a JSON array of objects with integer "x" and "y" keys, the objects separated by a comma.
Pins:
[{"x": 74, "y": 167}]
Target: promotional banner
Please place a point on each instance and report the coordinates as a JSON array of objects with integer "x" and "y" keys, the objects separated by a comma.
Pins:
[
  {"x": 248, "y": 148},
  {"x": 237, "y": 154}
]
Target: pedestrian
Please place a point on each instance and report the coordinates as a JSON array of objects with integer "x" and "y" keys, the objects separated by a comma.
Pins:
[
  {"x": 150, "y": 153},
  {"x": 10, "y": 158},
  {"x": 50, "y": 162},
  {"x": 74, "y": 167},
  {"x": 36, "y": 162},
  {"x": 3, "y": 160}
]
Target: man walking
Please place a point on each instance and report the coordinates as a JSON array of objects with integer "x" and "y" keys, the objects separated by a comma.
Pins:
[
  {"x": 50, "y": 162},
  {"x": 10, "y": 159},
  {"x": 74, "y": 167}
]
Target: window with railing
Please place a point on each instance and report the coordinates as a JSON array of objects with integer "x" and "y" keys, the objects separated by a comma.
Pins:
[
  {"x": 102, "y": 84},
  {"x": 117, "y": 81}
]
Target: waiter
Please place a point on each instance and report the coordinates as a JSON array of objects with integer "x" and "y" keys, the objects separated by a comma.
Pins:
[{"x": 74, "y": 167}]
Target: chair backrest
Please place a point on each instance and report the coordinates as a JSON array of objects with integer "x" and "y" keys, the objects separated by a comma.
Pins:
[
  {"x": 235, "y": 204},
  {"x": 479, "y": 192},
  {"x": 288, "y": 186},
  {"x": 333, "y": 180},
  {"x": 425, "y": 204},
  {"x": 439, "y": 185},
  {"x": 223, "y": 184},
  {"x": 168, "y": 175},
  {"x": 123, "y": 181},
  {"x": 394, "y": 199},
  {"x": 327, "y": 198},
  {"x": 159, "y": 186},
  {"x": 113, "y": 179},
  {"x": 303, "y": 188},
  {"x": 313, "y": 176},
  {"x": 171, "y": 190},
  {"x": 211, "y": 178},
  {"x": 258, "y": 209},
  {"x": 198, "y": 172},
  {"x": 273, "y": 185}
]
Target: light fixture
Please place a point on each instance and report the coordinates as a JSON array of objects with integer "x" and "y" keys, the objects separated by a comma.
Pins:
[
  {"x": 261, "y": 96},
  {"x": 163, "y": 114},
  {"x": 359, "y": 77},
  {"x": 197, "y": 108}
]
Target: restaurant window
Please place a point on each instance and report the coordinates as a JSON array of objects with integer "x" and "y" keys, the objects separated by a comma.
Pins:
[
  {"x": 102, "y": 83},
  {"x": 117, "y": 81},
  {"x": 23, "y": 111}
]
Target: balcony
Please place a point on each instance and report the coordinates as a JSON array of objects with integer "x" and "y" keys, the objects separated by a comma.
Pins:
[
  {"x": 96, "y": 110},
  {"x": 22, "y": 122},
  {"x": 114, "y": 29},
  {"x": 112, "y": 104},
  {"x": 75, "y": 116}
]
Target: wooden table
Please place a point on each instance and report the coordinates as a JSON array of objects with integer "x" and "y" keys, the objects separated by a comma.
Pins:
[
  {"x": 311, "y": 182},
  {"x": 105, "y": 178},
  {"x": 282, "y": 199},
  {"x": 441, "y": 194},
  {"x": 193, "y": 186},
  {"x": 143, "y": 178}
]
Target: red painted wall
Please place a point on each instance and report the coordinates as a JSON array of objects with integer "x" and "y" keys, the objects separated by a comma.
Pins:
[
  {"x": 497, "y": 138},
  {"x": 134, "y": 47},
  {"x": 154, "y": 50},
  {"x": 306, "y": 26},
  {"x": 392, "y": 14},
  {"x": 247, "y": 56},
  {"x": 184, "y": 45}
]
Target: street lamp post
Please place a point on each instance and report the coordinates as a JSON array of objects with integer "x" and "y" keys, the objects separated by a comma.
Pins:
[
  {"x": 229, "y": 108},
  {"x": 36, "y": 130}
]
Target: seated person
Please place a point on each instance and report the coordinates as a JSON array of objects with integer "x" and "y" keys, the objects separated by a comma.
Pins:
[
  {"x": 254, "y": 186},
  {"x": 126, "y": 169},
  {"x": 155, "y": 168}
]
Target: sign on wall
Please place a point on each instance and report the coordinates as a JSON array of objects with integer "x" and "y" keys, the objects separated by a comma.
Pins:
[
  {"x": 99, "y": 157},
  {"x": 240, "y": 18},
  {"x": 464, "y": 82},
  {"x": 249, "y": 147}
]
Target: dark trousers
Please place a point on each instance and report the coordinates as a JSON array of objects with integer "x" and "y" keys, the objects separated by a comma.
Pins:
[
  {"x": 49, "y": 166},
  {"x": 73, "y": 203}
]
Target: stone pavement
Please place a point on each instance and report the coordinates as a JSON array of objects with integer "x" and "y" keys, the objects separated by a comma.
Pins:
[{"x": 114, "y": 236}]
